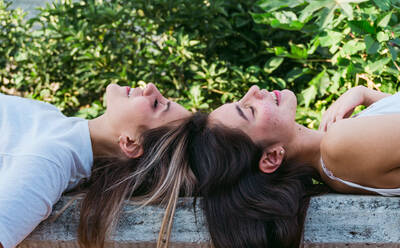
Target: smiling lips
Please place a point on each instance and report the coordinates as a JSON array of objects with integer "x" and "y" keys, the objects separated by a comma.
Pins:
[{"x": 276, "y": 95}]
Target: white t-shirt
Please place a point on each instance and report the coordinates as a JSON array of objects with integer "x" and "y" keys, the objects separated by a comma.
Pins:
[{"x": 42, "y": 154}]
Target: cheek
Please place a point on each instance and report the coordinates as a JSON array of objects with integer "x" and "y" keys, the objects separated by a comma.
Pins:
[
  {"x": 274, "y": 124},
  {"x": 136, "y": 112}
]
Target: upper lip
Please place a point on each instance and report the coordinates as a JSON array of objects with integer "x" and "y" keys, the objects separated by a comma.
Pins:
[
  {"x": 131, "y": 91},
  {"x": 275, "y": 96}
]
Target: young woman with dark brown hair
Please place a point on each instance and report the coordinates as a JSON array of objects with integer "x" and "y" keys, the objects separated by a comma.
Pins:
[
  {"x": 43, "y": 153},
  {"x": 254, "y": 164}
]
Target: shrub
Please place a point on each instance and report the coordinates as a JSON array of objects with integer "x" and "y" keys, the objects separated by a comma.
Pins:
[{"x": 200, "y": 53}]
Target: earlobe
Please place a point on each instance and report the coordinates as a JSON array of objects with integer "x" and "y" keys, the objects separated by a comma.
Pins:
[
  {"x": 271, "y": 159},
  {"x": 130, "y": 147}
]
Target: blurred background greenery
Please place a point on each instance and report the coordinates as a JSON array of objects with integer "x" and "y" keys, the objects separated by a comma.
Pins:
[{"x": 200, "y": 53}]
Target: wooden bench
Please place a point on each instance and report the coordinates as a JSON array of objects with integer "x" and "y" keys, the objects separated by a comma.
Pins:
[{"x": 333, "y": 220}]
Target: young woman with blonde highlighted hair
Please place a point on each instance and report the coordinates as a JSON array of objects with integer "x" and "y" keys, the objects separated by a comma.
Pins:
[{"x": 124, "y": 152}]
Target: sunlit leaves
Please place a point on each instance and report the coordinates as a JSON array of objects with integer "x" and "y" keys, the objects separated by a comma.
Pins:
[
  {"x": 268, "y": 5},
  {"x": 345, "y": 39},
  {"x": 384, "y": 22},
  {"x": 377, "y": 65},
  {"x": 362, "y": 27},
  {"x": 352, "y": 47},
  {"x": 202, "y": 54},
  {"x": 372, "y": 45},
  {"x": 383, "y": 4},
  {"x": 272, "y": 64}
]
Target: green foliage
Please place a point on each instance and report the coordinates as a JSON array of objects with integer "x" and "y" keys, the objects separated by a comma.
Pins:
[
  {"x": 200, "y": 53},
  {"x": 340, "y": 44}
]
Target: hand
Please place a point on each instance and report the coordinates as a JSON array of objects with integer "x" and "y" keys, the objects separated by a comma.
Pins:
[{"x": 343, "y": 107}]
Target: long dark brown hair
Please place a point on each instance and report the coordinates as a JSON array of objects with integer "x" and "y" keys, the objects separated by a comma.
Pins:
[
  {"x": 243, "y": 206},
  {"x": 158, "y": 176}
]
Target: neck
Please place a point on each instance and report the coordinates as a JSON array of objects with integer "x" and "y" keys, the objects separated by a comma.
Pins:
[
  {"x": 306, "y": 146},
  {"x": 104, "y": 142}
]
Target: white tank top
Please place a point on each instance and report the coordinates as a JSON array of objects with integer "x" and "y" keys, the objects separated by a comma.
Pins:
[{"x": 387, "y": 105}]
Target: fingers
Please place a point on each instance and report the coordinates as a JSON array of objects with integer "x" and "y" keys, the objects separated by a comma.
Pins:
[
  {"x": 328, "y": 119},
  {"x": 338, "y": 118},
  {"x": 334, "y": 120}
]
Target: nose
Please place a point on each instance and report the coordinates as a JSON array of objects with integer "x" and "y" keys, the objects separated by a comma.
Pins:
[
  {"x": 254, "y": 91},
  {"x": 150, "y": 90}
]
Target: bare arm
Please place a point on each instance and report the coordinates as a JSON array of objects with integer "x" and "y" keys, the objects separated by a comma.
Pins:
[
  {"x": 371, "y": 96},
  {"x": 365, "y": 150},
  {"x": 344, "y": 106}
]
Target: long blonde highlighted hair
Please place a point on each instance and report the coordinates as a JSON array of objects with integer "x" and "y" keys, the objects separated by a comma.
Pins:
[{"x": 159, "y": 176}]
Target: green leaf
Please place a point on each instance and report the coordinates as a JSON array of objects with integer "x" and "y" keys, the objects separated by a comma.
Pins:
[
  {"x": 393, "y": 52},
  {"x": 383, "y": 4},
  {"x": 295, "y": 73},
  {"x": 362, "y": 27},
  {"x": 293, "y": 25},
  {"x": 347, "y": 9},
  {"x": 372, "y": 45},
  {"x": 261, "y": 18},
  {"x": 279, "y": 51},
  {"x": 324, "y": 83},
  {"x": 286, "y": 20},
  {"x": 195, "y": 95},
  {"x": 298, "y": 51},
  {"x": 336, "y": 82},
  {"x": 327, "y": 15},
  {"x": 272, "y": 64},
  {"x": 396, "y": 42},
  {"x": 377, "y": 65},
  {"x": 313, "y": 45},
  {"x": 330, "y": 38},
  {"x": 279, "y": 81},
  {"x": 384, "y": 22},
  {"x": 382, "y": 36},
  {"x": 308, "y": 11},
  {"x": 309, "y": 95},
  {"x": 352, "y": 47},
  {"x": 316, "y": 80},
  {"x": 268, "y": 5}
]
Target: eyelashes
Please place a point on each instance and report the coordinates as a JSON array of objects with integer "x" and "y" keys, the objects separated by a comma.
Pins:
[{"x": 252, "y": 110}]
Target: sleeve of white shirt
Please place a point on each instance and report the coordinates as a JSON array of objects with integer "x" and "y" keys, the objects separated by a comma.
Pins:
[{"x": 29, "y": 186}]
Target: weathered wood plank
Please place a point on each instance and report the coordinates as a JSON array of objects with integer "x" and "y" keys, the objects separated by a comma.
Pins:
[{"x": 333, "y": 220}]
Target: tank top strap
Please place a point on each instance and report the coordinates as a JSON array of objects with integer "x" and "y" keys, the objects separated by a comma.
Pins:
[{"x": 384, "y": 192}]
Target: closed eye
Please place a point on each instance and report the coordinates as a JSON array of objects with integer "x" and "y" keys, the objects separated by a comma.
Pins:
[{"x": 252, "y": 110}]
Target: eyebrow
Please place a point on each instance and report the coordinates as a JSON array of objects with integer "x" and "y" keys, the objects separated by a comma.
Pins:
[
  {"x": 241, "y": 112},
  {"x": 167, "y": 108}
]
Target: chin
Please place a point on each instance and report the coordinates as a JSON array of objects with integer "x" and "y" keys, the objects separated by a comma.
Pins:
[{"x": 290, "y": 99}]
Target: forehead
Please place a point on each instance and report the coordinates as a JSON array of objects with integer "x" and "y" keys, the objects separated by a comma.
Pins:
[{"x": 227, "y": 115}]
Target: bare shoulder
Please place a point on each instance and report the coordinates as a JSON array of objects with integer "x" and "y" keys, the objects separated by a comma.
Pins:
[
  {"x": 365, "y": 145},
  {"x": 357, "y": 131},
  {"x": 340, "y": 137}
]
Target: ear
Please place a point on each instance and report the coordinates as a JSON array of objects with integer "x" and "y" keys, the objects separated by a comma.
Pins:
[
  {"x": 271, "y": 159},
  {"x": 130, "y": 147}
]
